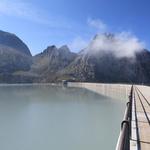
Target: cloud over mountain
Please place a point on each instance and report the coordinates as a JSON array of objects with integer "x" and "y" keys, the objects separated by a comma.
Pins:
[{"x": 122, "y": 44}]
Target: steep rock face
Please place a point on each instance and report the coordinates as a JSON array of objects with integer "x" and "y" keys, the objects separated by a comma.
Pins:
[
  {"x": 105, "y": 66},
  {"x": 52, "y": 60},
  {"x": 143, "y": 67},
  {"x": 14, "y": 54},
  {"x": 12, "y": 41},
  {"x": 81, "y": 69},
  {"x": 124, "y": 70}
]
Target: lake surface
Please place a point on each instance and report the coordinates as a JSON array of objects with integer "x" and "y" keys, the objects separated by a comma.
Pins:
[{"x": 44, "y": 117}]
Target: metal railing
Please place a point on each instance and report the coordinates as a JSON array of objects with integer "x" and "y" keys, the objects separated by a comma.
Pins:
[{"x": 124, "y": 137}]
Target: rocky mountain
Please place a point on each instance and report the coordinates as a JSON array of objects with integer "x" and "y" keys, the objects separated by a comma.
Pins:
[
  {"x": 104, "y": 66},
  {"x": 109, "y": 69},
  {"x": 14, "y": 54},
  {"x": 11, "y": 40},
  {"x": 50, "y": 61},
  {"x": 56, "y": 64}
]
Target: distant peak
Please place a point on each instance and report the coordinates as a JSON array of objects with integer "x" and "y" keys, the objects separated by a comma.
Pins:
[
  {"x": 106, "y": 35},
  {"x": 64, "y": 48},
  {"x": 109, "y": 35},
  {"x": 96, "y": 36},
  {"x": 52, "y": 47}
]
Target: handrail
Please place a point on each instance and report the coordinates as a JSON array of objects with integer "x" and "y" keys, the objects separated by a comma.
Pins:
[{"x": 124, "y": 137}]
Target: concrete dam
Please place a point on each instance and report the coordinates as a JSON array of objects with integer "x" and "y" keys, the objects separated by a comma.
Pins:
[{"x": 135, "y": 126}]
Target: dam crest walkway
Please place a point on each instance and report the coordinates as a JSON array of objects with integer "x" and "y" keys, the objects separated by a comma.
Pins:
[{"x": 140, "y": 119}]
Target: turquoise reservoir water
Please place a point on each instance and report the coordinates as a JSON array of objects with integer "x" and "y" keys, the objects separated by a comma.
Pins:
[{"x": 43, "y": 117}]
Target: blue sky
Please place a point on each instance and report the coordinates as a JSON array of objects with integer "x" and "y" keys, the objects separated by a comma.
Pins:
[{"x": 73, "y": 22}]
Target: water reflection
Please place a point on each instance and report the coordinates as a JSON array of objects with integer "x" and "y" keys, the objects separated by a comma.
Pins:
[{"x": 42, "y": 117}]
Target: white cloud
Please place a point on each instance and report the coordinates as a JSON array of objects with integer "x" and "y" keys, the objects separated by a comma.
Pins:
[
  {"x": 78, "y": 44},
  {"x": 98, "y": 24},
  {"x": 122, "y": 44},
  {"x": 28, "y": 11},
  {"x": 18, "y": 8}
]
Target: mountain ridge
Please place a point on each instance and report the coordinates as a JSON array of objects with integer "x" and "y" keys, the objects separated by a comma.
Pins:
[{"x": 56, "y": 64}]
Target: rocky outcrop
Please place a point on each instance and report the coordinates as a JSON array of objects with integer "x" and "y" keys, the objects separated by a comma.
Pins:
[
  {"x": 12, "y": 41},
  {"x": 52, "y": 60},
  {"x": 14, "y": 54}
]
